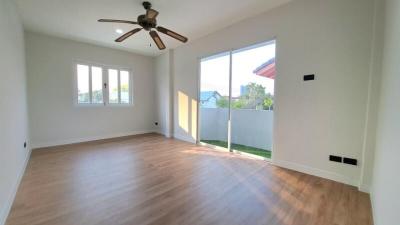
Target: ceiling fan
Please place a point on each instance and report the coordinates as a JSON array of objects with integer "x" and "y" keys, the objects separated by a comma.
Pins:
[{"x": 149, "y": 23}]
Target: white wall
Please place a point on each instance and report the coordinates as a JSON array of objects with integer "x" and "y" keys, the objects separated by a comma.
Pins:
[
  {"x": 373, "y": 97},
  {"x": 249, "y": 127},
  {"x": 163, "y": 78},
  {"x": 385, "y": 193},
  {"x": 330, "y": 38},
  {"x": 13, "y": 107},
  {"x": 54, "y": 119}
]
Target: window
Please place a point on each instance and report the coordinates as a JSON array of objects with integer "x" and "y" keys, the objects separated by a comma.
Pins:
[
  {"x": 124, "y": 84},
  {"x": 102, "y": 85},
  {"x": 113, "y": 89},
  {"x": 83, "y": 84},
  {"x": 97, "y": 85}
]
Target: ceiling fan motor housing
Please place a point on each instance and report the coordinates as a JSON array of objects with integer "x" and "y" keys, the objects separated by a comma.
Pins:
[{"x": 146, "y": 23}]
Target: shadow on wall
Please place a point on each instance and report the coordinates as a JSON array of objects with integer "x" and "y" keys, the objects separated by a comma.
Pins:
[{"x": 187, "y": 122}]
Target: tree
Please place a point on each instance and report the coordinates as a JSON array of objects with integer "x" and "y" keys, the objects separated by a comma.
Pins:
[
  {"x": 223, "y": 102},
  {"x": 255, "y": 91},
  {"x": 238, "y": 104},
  {"x": 268, "y": 102},
  {"x": 254, "y": 98}
]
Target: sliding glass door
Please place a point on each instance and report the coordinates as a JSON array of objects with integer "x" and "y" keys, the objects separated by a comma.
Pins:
[
  {"x": 252, "y": 87},
  {"x": 214, "y": 99},
  {"x": 236, "y": 100}
]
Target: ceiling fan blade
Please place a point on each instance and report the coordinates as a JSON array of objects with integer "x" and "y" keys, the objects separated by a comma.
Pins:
[
  {"x": 157, "y": 40},
  {"x": 172, "y": 34},
  {"x": 126, "y": 35},
  {"x": 117, "y": 21},
  {"x": 151, "y": 13}
]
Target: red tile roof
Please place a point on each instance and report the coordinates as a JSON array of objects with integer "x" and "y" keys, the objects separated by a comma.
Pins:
[{"x": 266, "y": 69}]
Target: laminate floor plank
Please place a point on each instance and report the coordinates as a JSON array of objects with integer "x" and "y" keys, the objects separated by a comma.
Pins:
[{"x": 152, "y": 180}]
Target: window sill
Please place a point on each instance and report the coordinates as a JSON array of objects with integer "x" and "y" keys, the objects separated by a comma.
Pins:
[{"x": 91, "y": 105}]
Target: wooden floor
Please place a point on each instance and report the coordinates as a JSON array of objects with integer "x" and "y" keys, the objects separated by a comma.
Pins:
[{"x": 148, "y": 179}]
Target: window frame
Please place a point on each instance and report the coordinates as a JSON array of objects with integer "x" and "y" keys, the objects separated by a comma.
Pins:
[{"x": 105, "y": 90}]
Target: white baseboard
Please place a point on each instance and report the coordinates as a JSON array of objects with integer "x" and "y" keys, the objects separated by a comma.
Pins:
[
  {"x": 6, "y": 210},
  {"x": 185, "y": 138},
  {"x": 166, "y": 134},
  {"x": 316, "y": 172},
  {"x": 364, "y": 188},
  {"x": 86, "y": 139},
  {"x": 373, "y": 206},
  {"x": 300, "y": 168}
]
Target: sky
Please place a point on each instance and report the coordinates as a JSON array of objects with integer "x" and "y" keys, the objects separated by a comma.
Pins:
[{"x": 215, "y": 70}]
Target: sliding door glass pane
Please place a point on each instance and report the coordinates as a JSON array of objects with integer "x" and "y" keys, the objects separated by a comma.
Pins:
[
  {"x": 124, "y": 86},
  {"x": 97, "y": 85},
  {"x": 253, "y": 74},
  {"x": 214, "y": 100},
  {"x": 83, "y": 83},
  {"x": 113, "y": 86}
]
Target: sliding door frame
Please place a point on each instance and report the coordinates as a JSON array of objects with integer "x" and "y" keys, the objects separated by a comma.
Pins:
[
  {"x": 199, "y": 60},
  {"x": 231, "y": 52}
]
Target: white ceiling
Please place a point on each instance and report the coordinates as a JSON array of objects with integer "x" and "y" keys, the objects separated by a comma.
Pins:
[{"x": 77, "y": 19}]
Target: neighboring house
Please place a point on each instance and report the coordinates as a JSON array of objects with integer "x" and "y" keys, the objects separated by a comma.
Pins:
[
  {"x": 208, "y": 99},
  {"x": 266, "y": 69}
]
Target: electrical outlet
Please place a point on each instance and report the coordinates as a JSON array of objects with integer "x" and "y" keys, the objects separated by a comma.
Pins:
[
  {"x": 350, "y": 161},
  {"x": 335, "y": 158}
]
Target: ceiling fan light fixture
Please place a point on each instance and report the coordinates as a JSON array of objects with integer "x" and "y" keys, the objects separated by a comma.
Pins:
[{"x": 147, "y": 22}]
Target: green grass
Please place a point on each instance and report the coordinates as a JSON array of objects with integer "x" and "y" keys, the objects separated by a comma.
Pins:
[{"x": 243, "y": 148}]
